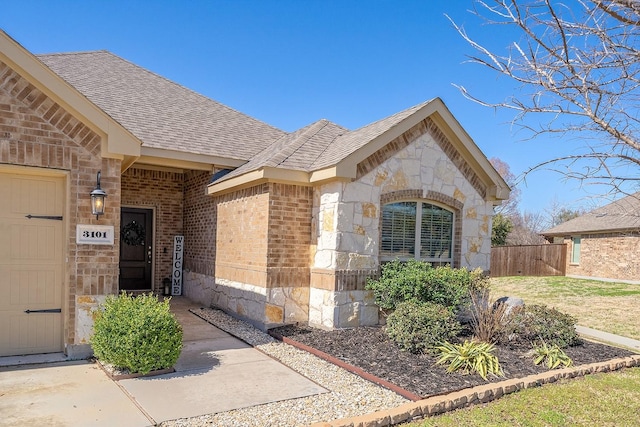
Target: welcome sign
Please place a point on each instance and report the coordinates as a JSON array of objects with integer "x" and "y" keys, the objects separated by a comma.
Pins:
[{"x": 176, "y": 274}]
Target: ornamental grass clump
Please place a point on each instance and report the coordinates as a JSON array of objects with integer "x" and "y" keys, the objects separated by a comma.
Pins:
[
  {"x": 469, "y": 357},
  {"x": 138, "y": 334}
]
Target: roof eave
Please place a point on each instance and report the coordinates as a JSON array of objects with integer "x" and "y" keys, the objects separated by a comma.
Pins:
[
  {"x": 596, "y": 231},
  {"x": 183, "y": 160},
  {"x": 259, "y": 176}
]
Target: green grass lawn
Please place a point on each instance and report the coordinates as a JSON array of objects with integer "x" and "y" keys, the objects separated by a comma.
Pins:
[
  {"x": 611, "y": 399},
  {"x": 606, "y": 306}
]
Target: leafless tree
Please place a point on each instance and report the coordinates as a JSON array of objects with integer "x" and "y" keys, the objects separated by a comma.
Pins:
[
  {"x": 557, "y": 213},
  {"x": 577, "y": 64},
  {"x": 526, "y": 229},
  {"x": 508, "y": 207}
]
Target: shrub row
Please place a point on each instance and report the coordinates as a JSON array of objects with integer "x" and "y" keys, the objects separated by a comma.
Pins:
[{"x": 426, "y": 302}]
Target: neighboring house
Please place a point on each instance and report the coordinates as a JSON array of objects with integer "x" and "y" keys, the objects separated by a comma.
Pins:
[
  {"x": 278, "y": 227},
  {"x": 603, "y": 243}
]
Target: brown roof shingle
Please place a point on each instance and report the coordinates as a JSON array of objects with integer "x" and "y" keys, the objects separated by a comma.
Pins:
[
  {"x": 159, "y": 112},
  {"x": 295, "y": 151},
  {"x": 623, "y": 214}
]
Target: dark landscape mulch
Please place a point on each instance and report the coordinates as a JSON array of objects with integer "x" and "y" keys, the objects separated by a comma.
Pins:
[{"x": 369, "y": 349}]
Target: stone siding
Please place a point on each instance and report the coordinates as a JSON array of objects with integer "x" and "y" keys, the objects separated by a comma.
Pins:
[
  {"x": 420, "y": 164},
  {"x": 161, "y": 191},
  {"x": 37, "y": 132},
  {"x": 607, "y": 256}
]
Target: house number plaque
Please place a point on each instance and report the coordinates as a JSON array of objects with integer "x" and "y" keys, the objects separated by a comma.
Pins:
[{"x": 87, "y": 234}]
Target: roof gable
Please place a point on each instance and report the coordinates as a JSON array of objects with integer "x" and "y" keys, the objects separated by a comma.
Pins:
[
  {"x": 117, "y": 141},
  {"x": 325, "y": 151}
]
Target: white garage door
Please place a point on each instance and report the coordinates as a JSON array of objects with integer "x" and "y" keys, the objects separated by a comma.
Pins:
[{"x": 31, "y": 263}]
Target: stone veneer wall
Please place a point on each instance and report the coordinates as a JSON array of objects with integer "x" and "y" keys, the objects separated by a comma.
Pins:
[
  {"x": 420, "y": 164},
  {"x": 608, "y": 256},
  {"x": 37, "y": 132},
  {"x": 161, "y": 191}
]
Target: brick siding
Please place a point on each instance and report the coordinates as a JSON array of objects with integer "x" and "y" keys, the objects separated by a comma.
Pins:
[
  {"x": 609, "y": 256},
  {"x": 241, "y": 235},
  {"x": 200, "y": 216}
]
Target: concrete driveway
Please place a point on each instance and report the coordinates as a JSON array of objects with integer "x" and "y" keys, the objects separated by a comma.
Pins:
[{"x": 216, "y": 372}]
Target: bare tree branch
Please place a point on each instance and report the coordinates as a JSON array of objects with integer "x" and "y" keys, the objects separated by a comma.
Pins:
[{"x": 578, "y": 67}]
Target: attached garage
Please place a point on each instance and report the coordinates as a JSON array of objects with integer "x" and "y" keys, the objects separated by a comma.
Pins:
[{"x": 31, "y": 263}]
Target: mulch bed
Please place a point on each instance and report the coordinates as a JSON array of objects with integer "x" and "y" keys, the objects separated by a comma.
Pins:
[{"x": 369, "y": 349}]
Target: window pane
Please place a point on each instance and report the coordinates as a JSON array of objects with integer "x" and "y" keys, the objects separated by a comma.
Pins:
[
  {"x": 575, "y": 250},
  {"x": 436, "y": 232},
  {"x": 398, "y": 229}
]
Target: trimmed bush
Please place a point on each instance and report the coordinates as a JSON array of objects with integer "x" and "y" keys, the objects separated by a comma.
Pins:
[
  {"x": 537, "y": 324},
  {"x": 418, "y": 281},
  {"x": 139, "y": 334},
  {"x": 420, "y": 327}
]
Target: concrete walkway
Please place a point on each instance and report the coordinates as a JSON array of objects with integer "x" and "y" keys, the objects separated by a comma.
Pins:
[
  {"x": 215, "y": 372},
  {"x": 608, "y": 338}
]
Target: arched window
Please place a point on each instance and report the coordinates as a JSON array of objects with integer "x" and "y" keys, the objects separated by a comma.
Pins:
[{"x": 417, "y": 229}]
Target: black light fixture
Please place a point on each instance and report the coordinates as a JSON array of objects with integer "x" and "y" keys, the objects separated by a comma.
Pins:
[{"x": 97, "y": 199}]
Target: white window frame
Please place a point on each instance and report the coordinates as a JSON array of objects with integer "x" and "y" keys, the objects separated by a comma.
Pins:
[
  {"x": 576, "y": 243},
  {"x": 417, "y": 235}
]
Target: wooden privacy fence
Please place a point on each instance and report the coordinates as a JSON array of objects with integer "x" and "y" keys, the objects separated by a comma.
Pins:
[{"x": 530, "y": 260}]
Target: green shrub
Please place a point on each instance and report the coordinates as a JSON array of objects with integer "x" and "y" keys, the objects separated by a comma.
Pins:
[
  {"x": 536, "y": 324},
  {"x": 418, "y": 281},
  {"x": 419, "y": 327},
  {"x": 551, "y": 355},
  {"x": 136, "y": 333},
  {"x": 470, "y": 356}
]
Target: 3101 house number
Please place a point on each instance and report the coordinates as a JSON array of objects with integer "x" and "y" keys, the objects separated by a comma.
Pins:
[{"x": 94, "y": 234}]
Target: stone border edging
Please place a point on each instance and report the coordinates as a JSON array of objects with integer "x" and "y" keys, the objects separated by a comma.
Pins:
[
  {"x": 353, "y": 369},
  {"x": 479, "y": 394}
]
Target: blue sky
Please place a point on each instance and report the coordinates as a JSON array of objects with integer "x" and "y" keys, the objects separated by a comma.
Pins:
[{"x": 292, "y": 62}]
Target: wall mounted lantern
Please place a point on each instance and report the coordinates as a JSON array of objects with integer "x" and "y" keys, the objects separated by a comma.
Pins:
[{"x": 97, "y": 199}]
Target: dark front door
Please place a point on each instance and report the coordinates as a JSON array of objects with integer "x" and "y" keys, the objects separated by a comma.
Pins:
[{"x": 136, "y": 241}]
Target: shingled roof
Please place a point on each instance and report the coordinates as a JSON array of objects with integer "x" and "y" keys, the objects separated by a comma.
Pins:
[
  {"x": 171, "y": 120},
  {"x": 319, "y": 145},
  {"x": 159, "y": 112},
  {"x": 621, "y": 215}
]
